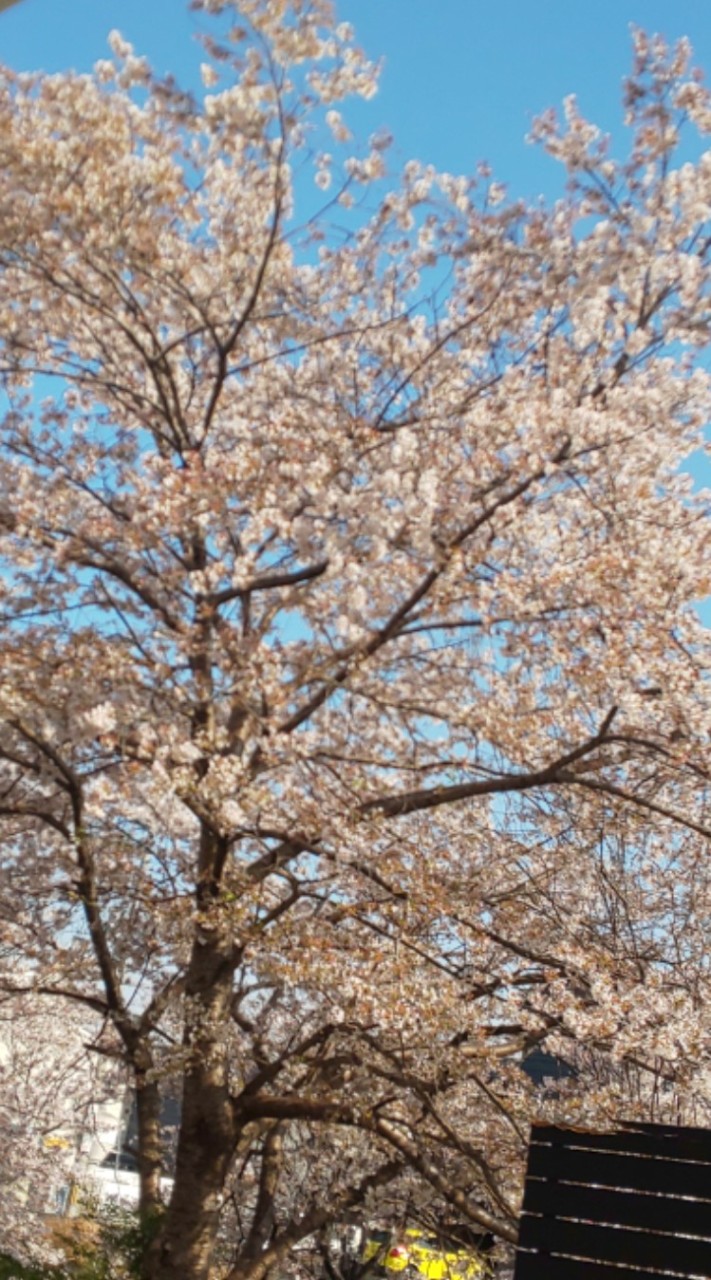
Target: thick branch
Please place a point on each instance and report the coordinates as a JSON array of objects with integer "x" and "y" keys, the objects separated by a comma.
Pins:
[
  {"x": 332, "y": 1112},
  {"x": 433, "y": 797},
  {"x": 269, "y": 581},
  {"x": 314, "y": 1221}
]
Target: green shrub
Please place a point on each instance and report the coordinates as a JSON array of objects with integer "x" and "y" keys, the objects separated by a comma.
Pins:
[
  {"x": 11, "y": 1269},
  {"x": 109, "y": 1245}
]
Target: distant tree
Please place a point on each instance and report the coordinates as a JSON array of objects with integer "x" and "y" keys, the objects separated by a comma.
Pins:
[
  {"x": 354, "y": 705},
  {"x": 51, "y": 1086}
]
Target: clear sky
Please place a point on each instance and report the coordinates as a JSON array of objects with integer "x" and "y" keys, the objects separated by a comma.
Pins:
[{"x": 462, "y": 78}]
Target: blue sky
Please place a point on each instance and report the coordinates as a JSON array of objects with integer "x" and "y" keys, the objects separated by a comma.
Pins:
[{"x": 462, "y": 78}]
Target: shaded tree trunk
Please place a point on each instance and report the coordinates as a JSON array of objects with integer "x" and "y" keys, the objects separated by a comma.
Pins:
[
  {"x": 150, "y": 1163},
  {"x": 185, "y": 1244}
]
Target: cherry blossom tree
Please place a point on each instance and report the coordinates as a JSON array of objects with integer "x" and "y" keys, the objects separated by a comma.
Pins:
[
  {"x": 51, "y": 1085},
  {"x": 354, "y": 704}
]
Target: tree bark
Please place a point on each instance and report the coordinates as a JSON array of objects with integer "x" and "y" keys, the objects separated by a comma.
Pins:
[
  {"x": 148, "y": 1108},
  {"x": 184, "y": 1246},
  {"x": 206, "y": 1140}
]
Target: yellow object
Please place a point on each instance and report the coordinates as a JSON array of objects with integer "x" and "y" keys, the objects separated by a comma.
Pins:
[{"x": 413, "y": 1250}]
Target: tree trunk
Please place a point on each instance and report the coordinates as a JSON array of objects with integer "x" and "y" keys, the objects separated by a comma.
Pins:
[
  {"x": 184, "y": 1247},
  {"x": 148, "y": 1109}
]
